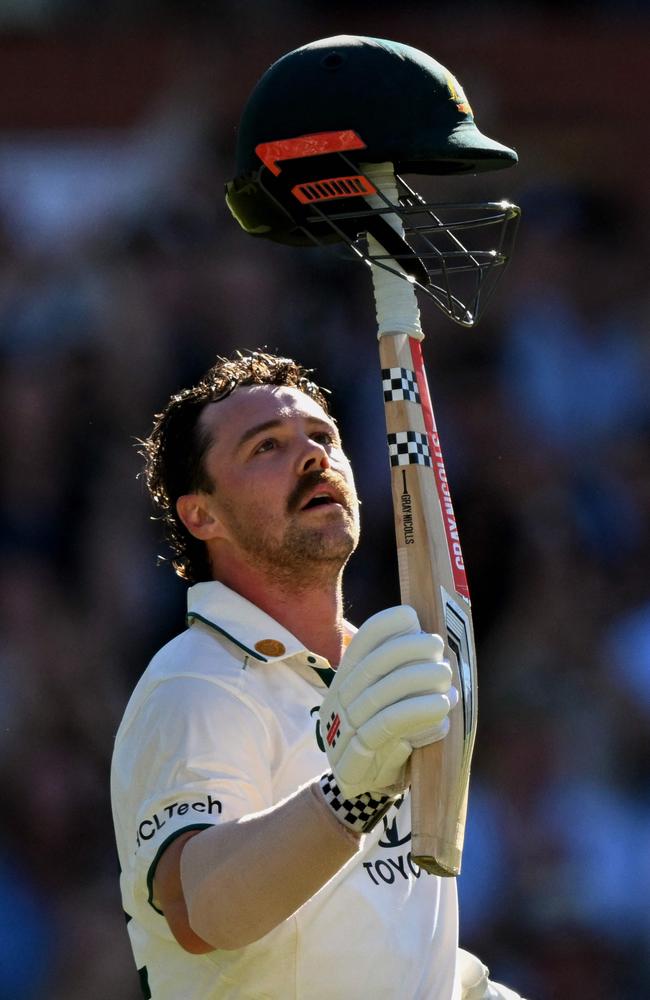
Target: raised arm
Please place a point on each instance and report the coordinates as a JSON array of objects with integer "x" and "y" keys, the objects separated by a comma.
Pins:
[{"x": 229, "y": 885}]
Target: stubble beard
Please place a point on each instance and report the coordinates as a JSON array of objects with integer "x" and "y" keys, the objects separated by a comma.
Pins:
[
  {"x": 303, "y": 554},
  {"x": 313, "y": 554}
]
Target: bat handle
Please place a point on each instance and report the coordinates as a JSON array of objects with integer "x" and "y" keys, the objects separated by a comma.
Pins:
[
  {"x": 428, "y": 849},
  {"x": 395, "y": 299}
]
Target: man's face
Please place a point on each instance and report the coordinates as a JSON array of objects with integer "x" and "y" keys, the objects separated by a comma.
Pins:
[{"x": 283, "y": 487}]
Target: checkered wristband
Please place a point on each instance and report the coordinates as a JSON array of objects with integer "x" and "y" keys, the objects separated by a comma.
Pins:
[{"x": 361, "y": 813}]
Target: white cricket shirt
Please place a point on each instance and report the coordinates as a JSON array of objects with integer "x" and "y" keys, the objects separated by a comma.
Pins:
[{"x": 223, "y": 723}]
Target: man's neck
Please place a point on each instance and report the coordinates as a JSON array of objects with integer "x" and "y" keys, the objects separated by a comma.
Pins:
[
  {"x": 312, "y": 611},
  {"x": 313, "y": 616}
]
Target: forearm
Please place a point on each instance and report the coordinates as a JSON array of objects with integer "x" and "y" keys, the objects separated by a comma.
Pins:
[{"x": 242, "y": 879}]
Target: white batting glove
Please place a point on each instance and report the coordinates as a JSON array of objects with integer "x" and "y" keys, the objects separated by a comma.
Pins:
[
  {"x": 392, "y": 692},
  {"x": 475, "y": 983}
]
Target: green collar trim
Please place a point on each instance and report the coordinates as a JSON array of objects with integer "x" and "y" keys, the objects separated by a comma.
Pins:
[
  {"x": 326, "y": 674},
  {"x": 193, "y": 616}
]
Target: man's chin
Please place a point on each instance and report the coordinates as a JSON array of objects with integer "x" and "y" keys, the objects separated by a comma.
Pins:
[
  {"x": 330, "y": 549},
  {"x": 333, "y": 544}
]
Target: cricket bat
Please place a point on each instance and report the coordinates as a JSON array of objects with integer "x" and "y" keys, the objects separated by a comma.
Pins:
[{"x": 431, "y": 568}]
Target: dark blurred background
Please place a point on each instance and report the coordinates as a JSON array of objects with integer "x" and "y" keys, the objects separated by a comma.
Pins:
[{"x": 122, "y": 276}]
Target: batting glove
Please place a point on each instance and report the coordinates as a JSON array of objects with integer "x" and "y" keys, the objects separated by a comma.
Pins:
[
  {"x": 474, "y": 981},
  {"x": 391, "y": 693}
]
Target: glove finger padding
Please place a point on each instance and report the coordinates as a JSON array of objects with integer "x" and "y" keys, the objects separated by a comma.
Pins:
[
  {"x": 392, "y": 691},
  {"x": 473, "y": 975},
  {"x": 475, "y": 982},
  {"x": 383, "y": 661},
  {"x": 409, "y": 720},
  {"x": 375, "y": 771},
  {"x": 407, "y": 681},
  {"x": 375, "y": 632}
]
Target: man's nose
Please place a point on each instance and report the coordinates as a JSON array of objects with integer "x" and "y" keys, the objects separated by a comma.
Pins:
[{"x": 314, "y": 456}]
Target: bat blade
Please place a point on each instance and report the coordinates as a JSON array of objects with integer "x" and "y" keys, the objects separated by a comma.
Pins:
[{"x": 433, "y": 581}]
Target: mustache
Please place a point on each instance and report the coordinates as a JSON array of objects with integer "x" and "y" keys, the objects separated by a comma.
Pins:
[{"x": 310, "y": 480}]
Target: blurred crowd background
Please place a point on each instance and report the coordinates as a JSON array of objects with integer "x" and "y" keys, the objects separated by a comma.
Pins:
[{"x": 122, "y": 276}]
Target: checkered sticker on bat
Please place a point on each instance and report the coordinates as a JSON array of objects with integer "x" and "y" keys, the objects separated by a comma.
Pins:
[
  {"x": 400, "y": 384},
  {"x": 409, "y": 448}
]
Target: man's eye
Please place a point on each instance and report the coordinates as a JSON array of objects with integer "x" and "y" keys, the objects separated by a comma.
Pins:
[
  {"x": 324, "y": 437},
  {"x": 268, "y": 444}
]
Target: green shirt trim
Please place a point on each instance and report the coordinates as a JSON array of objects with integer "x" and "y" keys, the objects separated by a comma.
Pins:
[
  {"x": 193, "y": 616},
  {"x": 151, "y": 874},
  {"x": 326, "y": 674}
]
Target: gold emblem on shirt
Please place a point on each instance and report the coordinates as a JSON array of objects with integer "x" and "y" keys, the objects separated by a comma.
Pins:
[{"x": 270, "y": 647}]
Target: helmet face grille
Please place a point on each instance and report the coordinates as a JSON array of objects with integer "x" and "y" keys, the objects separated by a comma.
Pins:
[
  {"x": 463, "y": 248},
  {"x": 455, "y": 253}
]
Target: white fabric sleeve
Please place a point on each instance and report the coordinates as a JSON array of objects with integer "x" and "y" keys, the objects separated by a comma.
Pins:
[{"x": 190, "y": 766}]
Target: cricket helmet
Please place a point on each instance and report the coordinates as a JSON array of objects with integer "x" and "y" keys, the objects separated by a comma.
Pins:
[{"x": 321, "y": 115}]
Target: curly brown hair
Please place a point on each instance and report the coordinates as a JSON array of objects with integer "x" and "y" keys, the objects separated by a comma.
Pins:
[{"x": 174, "y": 451}]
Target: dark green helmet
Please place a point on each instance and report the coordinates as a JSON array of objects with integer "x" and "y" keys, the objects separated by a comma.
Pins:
[{"x": 322, "y": 112}]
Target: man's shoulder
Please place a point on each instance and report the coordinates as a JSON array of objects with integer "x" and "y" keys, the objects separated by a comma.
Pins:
[
  {"x": 195, "y": 656},
  {"x": 197, "y": 652},
  {"x": 195, "y": 649}
]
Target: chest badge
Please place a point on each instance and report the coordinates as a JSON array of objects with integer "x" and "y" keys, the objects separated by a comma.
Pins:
[{"x": 270, "y": 647}]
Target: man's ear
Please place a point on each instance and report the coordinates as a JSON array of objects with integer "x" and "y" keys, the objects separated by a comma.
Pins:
[{"x": 201, "y": 522}]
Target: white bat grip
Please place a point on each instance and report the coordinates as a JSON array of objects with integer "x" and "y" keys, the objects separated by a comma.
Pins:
[{"x": 395, "y": 299}]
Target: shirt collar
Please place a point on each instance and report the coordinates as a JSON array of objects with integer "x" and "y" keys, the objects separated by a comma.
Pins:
[{"x": 250, "y": 628}]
